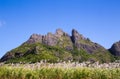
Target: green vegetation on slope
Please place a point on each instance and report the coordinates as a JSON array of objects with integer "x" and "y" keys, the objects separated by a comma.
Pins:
[
  {"x": 36, "y": 52},
  {"x": 40, "y": 52}
]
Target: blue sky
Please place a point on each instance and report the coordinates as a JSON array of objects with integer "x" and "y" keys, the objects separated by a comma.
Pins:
[{"x": 98, "y": 20}]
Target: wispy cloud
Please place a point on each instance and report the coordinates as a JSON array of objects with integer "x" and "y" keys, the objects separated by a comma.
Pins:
[{"x": 2, "y": 23}]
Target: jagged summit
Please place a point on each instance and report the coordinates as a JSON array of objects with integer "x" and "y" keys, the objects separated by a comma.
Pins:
[
  {"x": 59, "y": 32},
  {"x": 58, "y": 46},
  {"x": 35, "y": 38}
]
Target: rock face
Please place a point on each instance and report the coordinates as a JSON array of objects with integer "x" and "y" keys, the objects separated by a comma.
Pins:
[
  {"x": 49, "y": 39},
  {"x": 35, "y": 38},
  {"x": 59, "y": 33},
  {"x": 84, "y": 43},
  {"x": 7, "y": 56},
  {"x": 76, "y": 37},
  {"x": 60, "y": 46},
  {"x": 60, "y": 38},
  {"x": 115, "y": 49}
]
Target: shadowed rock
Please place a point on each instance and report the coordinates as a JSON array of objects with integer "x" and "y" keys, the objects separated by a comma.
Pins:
[
  {"x": 115, "y": 49},
  {"x": 76, "y": 36}
]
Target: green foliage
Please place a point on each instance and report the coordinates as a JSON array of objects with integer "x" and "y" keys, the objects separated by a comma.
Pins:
[
  {"x": 80, "y": 55},
  {"x": 116, "y": 57},
  {"x": 58, "y": 73},
  {"x": 43, "y": 52},
  {"x": 36, "y": 52}
]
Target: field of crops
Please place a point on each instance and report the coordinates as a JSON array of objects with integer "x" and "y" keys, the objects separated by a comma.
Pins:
[{"x": 59, "y": 71}]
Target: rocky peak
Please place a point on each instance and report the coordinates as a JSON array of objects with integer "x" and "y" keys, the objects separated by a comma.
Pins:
[
  {"x": 63, "y": 40},
  {"x": 59, "y": 32},
  {"x": 115, "y": 49},
  {"x": 50, "y": 39},
  {"x": 35, "y": 38},
  {"x": 76, "y": 36},
  {"x": 75, "y": 32}
]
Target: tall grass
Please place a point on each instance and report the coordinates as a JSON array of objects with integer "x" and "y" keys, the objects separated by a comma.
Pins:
[{"x": 56, "y": 71}]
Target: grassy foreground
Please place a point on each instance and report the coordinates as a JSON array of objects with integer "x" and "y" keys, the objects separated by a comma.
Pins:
[{"x": 10, "y": 72}]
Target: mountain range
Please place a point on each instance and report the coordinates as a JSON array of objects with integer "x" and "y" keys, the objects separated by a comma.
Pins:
[{"x": 61, "y": 47}]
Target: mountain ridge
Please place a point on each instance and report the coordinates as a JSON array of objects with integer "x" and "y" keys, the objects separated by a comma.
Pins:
[{"x": 58, "y": 46}]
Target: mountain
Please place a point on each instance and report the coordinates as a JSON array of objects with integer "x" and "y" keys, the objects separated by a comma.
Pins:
[
  {"x": 115, "y": 50},
  {"x": 58, "y": 47}
]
